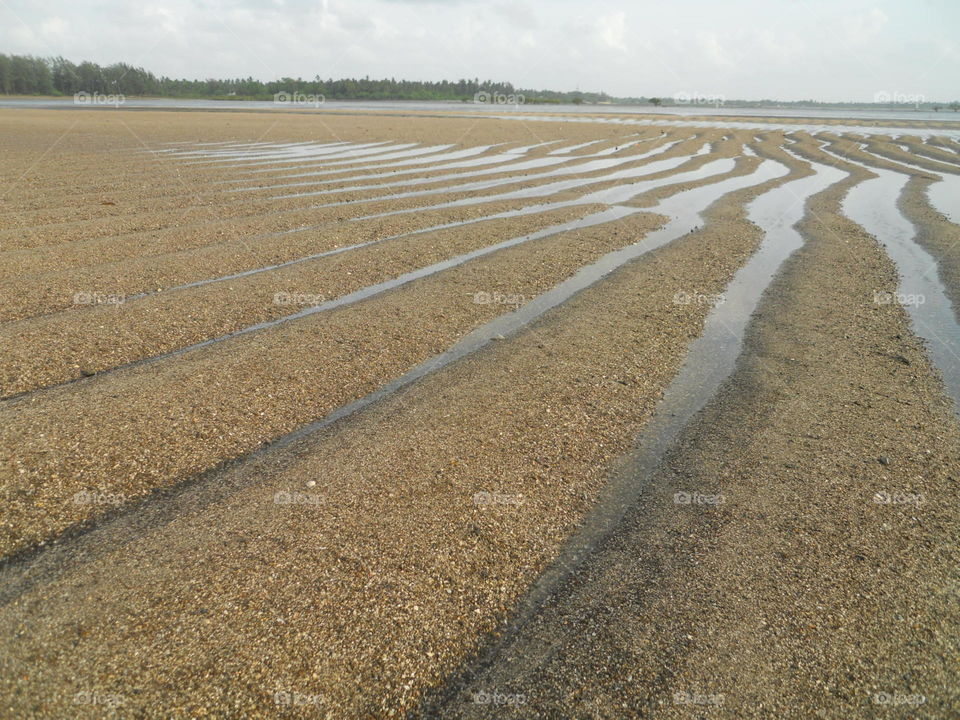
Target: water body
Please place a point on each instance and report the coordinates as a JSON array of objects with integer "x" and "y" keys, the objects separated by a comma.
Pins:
[
  {"x": 900, "y": 112},
  {"x": 298, "y": 152},
  {"x": 713, "y": 355},
  {"x": 570, "y": 149},
  {"x": 684, "y": 211},
  {"x": 811, "y": 127},
  {"x": 711, "y": 359},
  {"x": 461, "y": 155},
  {"x": 860, "y": 119},
  {"x": 716, "y": 167},
  {"x": 546, "y": 189},
  {"x": 233, "y": 149},
  {"x": 365, "y": 151},
  {"x": 503, "y": 160},
  {"x": 424, "y": 152},
  {"x": 873, "y": 205},
  {"x": 944, "y": 195},
  {"x": 568, "y": 166}
]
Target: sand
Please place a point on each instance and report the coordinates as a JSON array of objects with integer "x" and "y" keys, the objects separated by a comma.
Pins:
[{"x": 163, "y": 557}]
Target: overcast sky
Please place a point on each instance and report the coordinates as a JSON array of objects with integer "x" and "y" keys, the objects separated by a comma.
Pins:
[{"x": 783, "y": 49}]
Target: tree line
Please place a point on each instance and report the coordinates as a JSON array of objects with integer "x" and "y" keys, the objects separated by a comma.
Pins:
[{"x": 30, "y": 75}]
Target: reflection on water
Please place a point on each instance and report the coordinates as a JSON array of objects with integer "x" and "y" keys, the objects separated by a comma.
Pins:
[
  {"x": 905, "y": 113},
  {"x": 873, "y": 205}
]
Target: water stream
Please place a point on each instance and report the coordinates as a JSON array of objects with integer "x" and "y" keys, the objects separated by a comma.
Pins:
[{"x": 873, "y": 205}]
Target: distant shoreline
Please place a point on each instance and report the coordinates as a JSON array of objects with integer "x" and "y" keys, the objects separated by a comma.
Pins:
[
  {"x": 665, "y": 107},
  {"x": 867, "y": 119}
]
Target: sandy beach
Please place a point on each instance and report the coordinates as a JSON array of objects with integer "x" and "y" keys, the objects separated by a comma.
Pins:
[{"x": 301, "y": 415}]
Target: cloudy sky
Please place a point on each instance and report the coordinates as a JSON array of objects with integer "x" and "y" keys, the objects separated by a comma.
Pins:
[{"x": 783, "y": 49}]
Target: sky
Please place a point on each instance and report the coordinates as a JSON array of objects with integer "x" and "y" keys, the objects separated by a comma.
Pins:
[{"x": 702, "y": 50}]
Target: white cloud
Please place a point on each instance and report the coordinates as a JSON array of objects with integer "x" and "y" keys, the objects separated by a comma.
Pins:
[
  {"x": 826, "y": 49},
  {"x": 612, "y": 30},
  {"x": 864, "y": 27}
]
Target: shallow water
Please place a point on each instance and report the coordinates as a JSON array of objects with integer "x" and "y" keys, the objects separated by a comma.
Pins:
[
  {"x": 532, "y": 164},
  {"x": 614, "y": 195},
  {"x": 523, "y": 150},
  {"x": 713, "y": 355},
  {"x": 716, "y": 167},
  {"x": 944, "y": 194},
  {"x": 502, "y": 158},
  {"x": 341, "y": 156},
  {"x": 901, "y": 112},
  {"x": 710, "y": 360},
  {"x": 873, "y": 205},
  {"x": 619, "y": 148},
  {"x": 548, "y": 188},
  {"x": 412, "y": 163},
  {"x": 684, "y": 209},
  {"x": 240, "y": 149},
  {"x": 808, "y": 126},
  {"x": 425, "y": 152},
  {"x": 256, "y": 151},
  {"x": 569, "y": 166},
  {"x": 685, "y": 215},
  {"x": 945, "y": 197},
  {"x": 572, "y": 148},
  {"x": 942, "y": 146}
]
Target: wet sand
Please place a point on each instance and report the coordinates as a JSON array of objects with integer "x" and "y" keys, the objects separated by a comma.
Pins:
[
  {"x": 367, "y": 567},
  {"x": 817, "y": 577}
]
